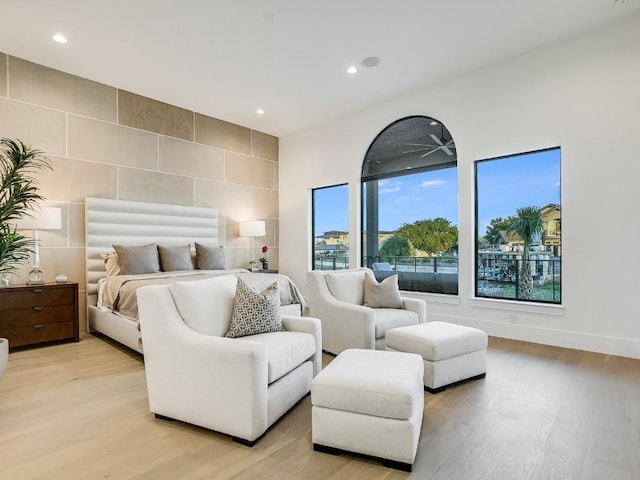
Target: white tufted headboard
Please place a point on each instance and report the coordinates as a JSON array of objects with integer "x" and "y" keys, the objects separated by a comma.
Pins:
[{"x": 109, "y": 222}]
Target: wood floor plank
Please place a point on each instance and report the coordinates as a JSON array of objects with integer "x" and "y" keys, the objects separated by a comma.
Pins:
[{"x": 79, "y": 411}]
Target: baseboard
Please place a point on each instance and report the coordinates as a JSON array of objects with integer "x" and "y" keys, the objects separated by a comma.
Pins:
[{"x": 622, "y": 347}]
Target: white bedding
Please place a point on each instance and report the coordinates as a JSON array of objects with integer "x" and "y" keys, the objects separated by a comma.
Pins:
[{"x": 117, "y": 293}]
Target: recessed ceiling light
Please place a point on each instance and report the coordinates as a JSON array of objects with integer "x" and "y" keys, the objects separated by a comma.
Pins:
[
  {"x": 371, "y": 62},
  {"x": 433, "y": 123},
  {"x": 260, "y": 111},
  {"x": 58, "y": 37},
  {"x": 351, "y": 70}
]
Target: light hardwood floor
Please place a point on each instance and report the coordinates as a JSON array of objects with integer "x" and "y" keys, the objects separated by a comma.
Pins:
[{"x": 79, "y": 411}]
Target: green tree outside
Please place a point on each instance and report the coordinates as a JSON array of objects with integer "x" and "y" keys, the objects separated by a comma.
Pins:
[
  {"x": 395, "y": 246},
  {"x": 432, "y": 236},
  {"x": 497, "y": 224}
]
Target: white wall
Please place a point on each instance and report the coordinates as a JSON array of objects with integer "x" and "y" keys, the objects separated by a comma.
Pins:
[{"x": 582, "y": 94}]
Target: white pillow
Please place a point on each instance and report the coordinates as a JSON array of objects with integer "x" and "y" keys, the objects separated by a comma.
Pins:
[
  {"x": 385, "y": 294},
  {"x": 206, "y": 305},
  {"x": 347, "y": 286}
]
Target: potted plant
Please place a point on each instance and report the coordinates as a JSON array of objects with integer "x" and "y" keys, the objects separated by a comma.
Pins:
[{"x": 19, "y": 195}]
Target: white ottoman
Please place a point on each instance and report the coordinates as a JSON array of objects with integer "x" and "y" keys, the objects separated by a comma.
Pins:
[
  {"x": 369, "y": 402},
  {"x": 451, "y": 352}
]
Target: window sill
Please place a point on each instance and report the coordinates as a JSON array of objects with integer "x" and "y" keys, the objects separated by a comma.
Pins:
[
  {"x": 433, "y": 297},
  {"x": 517, "y": 306}
]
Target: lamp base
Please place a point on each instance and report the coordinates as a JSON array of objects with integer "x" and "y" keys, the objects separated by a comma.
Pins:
[{"x": 35, "y": 277}]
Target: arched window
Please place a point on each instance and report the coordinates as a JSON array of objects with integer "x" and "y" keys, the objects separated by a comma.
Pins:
[{"x": 410, "y": 206}]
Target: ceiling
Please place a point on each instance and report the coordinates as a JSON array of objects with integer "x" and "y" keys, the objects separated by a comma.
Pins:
[{"x": 228, "y": 58}]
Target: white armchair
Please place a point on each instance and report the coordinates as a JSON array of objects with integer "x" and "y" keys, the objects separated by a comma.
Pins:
[
  {"x": 237, "y": 386},
  {"x": 337, "y": 299}
]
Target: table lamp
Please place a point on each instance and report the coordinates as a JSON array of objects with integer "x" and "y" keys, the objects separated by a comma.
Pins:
[{"x": 42, "y": 218}]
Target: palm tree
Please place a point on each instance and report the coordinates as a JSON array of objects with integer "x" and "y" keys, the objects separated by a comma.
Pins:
[
  {"x": 18, "y": 196},
  {"x": 528, "y": 225}
]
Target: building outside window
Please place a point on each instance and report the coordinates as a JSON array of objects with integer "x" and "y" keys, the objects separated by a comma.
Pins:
[{"x": 330, "y": 235}]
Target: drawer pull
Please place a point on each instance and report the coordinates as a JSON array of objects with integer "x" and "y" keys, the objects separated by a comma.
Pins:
[
  {"x": 38, "y": 309},
  {"x": 38, "y": 290},
  {"x": 38, "y": 325}
]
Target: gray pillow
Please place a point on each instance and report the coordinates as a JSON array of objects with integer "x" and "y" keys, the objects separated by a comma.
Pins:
[
  {"x": 255, "y": 312},
  {"x": 175, "y": 258},
  {"x": 385, "y": 294},
  {"x": 209, "y": 258},
  {"x": 138, "y": 259}
]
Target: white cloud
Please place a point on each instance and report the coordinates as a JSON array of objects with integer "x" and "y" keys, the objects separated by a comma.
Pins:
[
  {"x": 388, "y": 190},
  {"x": 401, "y": 199},
  {"x": 432, "y": 183}
]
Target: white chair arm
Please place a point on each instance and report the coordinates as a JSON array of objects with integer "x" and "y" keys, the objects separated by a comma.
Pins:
[
  {"x": 348, "y": 326},
  {"x": 418, "y": 306},
  {"x": 307, "y": 325}
]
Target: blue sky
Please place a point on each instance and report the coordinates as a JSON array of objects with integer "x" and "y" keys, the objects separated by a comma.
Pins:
[{"x": 503, "y": 186}]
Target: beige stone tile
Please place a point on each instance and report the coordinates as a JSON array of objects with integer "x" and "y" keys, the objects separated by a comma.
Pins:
[
  {"x": 237, "y": 257},
  {"x": 54, "y": 261},
  {"x": 148, "y": 114},
  {"x": 52, "y": 88},
  {"x": 264, "y": 145},
  {"x": 270, "y": 240},
  {"x": 265, "y": 203},
  {"x": 109, "y": 143},
  {"x": 232, "y": 240},
  {"x": 276, "y": 233},
  {"x": 41, "y": 128},
  {"x": 234, "y": 200},
  {"x": 76, "y": 224},
  {"x": 72, "y": 180},
  {"x": 191, "y": 159},
  {"x": 3, "y": 75},
  {"x": 276, "y": 176},
  {"x": 219, "y": 133},
  {"x": 145, "y": 186},
  {"x": 248, "y": 170}
]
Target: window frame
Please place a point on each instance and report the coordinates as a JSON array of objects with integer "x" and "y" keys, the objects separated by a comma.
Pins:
[
  {"x": 313, "y": 220},
  {"x": 476, "y": 257},
  {"x": 370, "y": 180}
]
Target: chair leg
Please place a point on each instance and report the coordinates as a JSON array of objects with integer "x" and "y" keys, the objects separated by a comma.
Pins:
[
  {"x": 245, "y": 442},
  {"x": 162, "y": 417}
]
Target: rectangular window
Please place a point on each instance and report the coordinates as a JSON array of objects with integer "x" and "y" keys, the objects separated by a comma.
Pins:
[
  {"x": 518, "y": 218},
  {"x": 330, "y": 227}
]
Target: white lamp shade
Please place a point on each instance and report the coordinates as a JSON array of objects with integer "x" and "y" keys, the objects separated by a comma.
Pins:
[
  {"x": 42, "y": 218},
  {"x": 254, "y": 228}
]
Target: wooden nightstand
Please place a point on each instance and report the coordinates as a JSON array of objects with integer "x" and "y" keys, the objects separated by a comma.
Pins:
[{"x": 31, "y": 314}]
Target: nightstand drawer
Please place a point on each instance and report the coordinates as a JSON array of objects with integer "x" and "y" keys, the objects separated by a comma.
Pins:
[
  {"x": 32, "y": 314},
  {"x": 35, "y": 296},
  {"x": 42, "y": 332},
  {"x": 26, "y": 317}
]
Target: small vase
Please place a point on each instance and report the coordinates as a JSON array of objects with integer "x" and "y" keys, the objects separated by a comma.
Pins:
[{"x": 265, "y": 265}]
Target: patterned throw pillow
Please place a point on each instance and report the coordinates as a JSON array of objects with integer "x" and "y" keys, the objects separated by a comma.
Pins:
[{"x": 255, "y": 312}]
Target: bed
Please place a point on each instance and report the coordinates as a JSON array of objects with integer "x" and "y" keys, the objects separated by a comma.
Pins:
[{"x": 116, "y": 222}]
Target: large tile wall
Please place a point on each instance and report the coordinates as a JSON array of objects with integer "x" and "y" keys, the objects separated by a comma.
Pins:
[{"x": 110, "y": 143}]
